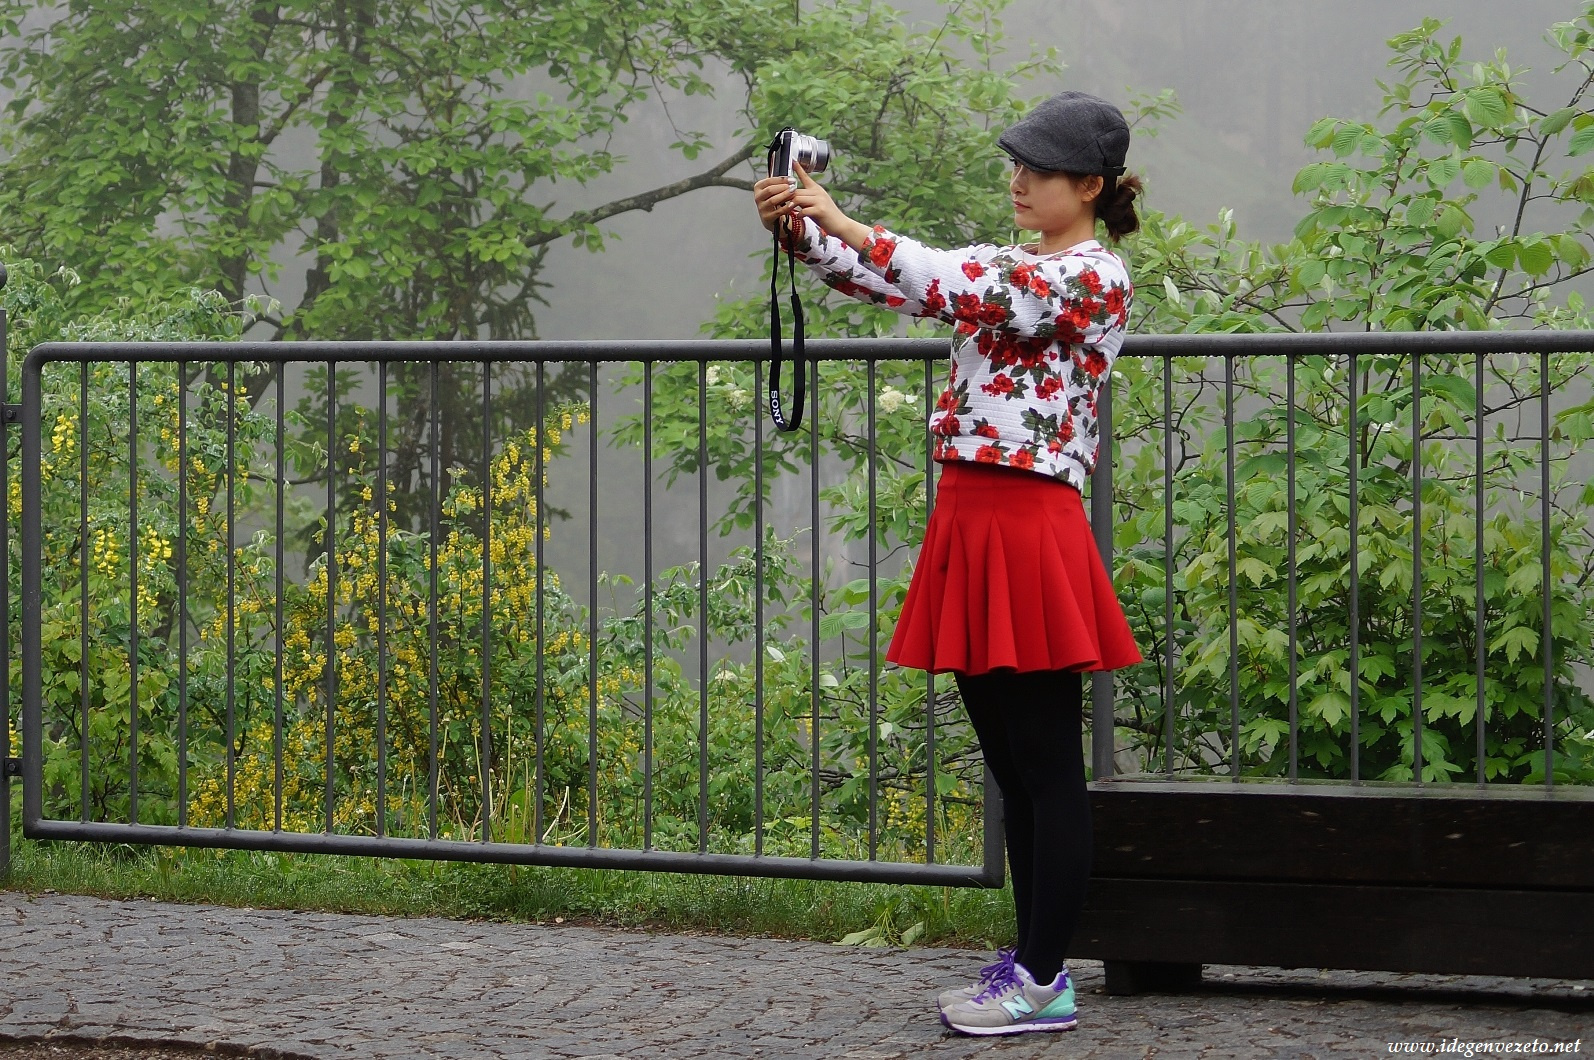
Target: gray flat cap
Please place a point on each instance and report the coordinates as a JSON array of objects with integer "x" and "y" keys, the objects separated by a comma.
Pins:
[{"x": 1073, "y": 132}]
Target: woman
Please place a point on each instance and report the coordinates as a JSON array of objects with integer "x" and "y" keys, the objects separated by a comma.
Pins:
[{"x": 1009, "y": 593}]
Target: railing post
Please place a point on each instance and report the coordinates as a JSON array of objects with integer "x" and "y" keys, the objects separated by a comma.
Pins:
[
  {"x": 1101, "y": 705},
  {"x": 5, "y": 600}
]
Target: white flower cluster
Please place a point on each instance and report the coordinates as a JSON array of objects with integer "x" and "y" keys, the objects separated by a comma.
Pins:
[{"x": 891, "y": 399}]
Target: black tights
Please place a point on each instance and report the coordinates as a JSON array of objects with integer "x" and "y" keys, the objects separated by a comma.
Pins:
[{"x": 1029, "y": 725}]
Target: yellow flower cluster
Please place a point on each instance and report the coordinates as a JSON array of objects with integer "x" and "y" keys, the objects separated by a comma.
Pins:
[
  {"x": 107, "y": 557},
  {"x": 63, "y": 438}
]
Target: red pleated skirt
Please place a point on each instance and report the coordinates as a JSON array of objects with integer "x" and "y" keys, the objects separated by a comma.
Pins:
[{"x": 1009, "y": 577}]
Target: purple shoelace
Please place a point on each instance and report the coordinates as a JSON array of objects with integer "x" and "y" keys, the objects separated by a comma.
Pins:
[{"x": 999, "y": 975}]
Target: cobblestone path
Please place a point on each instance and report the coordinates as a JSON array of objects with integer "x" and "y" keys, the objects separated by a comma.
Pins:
[{"x": 324, "y": 985}]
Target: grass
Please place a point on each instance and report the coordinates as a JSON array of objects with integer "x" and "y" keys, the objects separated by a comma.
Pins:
[{"x": 867, "y": 914}]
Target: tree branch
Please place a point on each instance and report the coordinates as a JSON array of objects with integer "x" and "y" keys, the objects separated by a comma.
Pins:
[{"x": 648, "y": 199}]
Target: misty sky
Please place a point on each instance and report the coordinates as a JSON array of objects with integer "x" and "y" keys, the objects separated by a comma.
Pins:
[{"x": 1252, "y": 76}]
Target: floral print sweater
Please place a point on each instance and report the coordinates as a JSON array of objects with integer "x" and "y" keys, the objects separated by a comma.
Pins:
[{"x": 1035, "y": 337}]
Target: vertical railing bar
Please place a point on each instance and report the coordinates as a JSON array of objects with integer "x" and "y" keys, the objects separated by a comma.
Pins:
[
  {"x": 1548, "y": 636},
  {"x": 813, "y": 653},
  {"x": 702, "y": 606},
  {"x": 182, "y": 593},
  {"x": 331, "y": 561},
  {"x": 542, "y": 442},
  {"x": 758, "y": 612},
  {"x": 433, "y": 767},
  {"x": 381, "y": 599},
  {"x": 592, "y": 609},
  {"x": 1167, "y": 565},
  {"x": 1103, "y": 721},
  {"x": 1479, "y": 631},
  {"x": 486, "y": 744},
  {"x": 647, "y": 604},
  {"x": 1353, "y": 473},
  {"x": 929, "y": 678},
  {"x": 1230, "y": 527},
  {"x": 277, "y": 714},
  {"x": 132, "y": 596},
  {"x": 874, "y": 631},
  {"x": 232, "y": 593},
  {"x": 1416, "y": 568},
  {"x": 83, "y": 606},
  {"x": 1290, "y": 529}
]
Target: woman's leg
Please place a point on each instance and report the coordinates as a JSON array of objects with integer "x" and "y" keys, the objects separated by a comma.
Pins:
[
  {"x": 1043, "y": 721},
  {"x": 985, "y": 696}
]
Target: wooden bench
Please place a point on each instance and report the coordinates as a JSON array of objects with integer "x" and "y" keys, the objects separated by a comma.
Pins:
[{"x": 1452, "y": 879}]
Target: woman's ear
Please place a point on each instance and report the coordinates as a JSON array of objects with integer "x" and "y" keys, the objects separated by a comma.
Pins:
[{"x": 1093, "y": 187}]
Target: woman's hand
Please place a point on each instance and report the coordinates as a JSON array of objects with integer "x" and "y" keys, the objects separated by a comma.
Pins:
[
  {"x": 772, "y": 196},
  {"x": 776, "y": 198}
]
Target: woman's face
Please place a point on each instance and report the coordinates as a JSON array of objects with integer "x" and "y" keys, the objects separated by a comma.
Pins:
[{"x": 1051, "y": 202}]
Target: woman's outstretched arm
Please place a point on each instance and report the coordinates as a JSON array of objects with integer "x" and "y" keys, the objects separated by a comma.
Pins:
[{"x": 1077, "y": 298}]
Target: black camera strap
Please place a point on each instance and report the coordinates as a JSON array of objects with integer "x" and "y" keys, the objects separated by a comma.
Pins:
[{"x": 799, "y": 382}]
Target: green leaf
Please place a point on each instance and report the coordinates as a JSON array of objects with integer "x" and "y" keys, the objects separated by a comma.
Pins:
[
  {"x": 1347, "y": 140},
  {"x": 1535, "y": 256},
  {"x": 1556, "y": 120},
  {"x": 1582, "y": 141},
  {"x": 859, "y": 938},
  {"x": 1451, "y": 221},
  {"x": 1486, "y": 106},
  {"x": 1502, "y": 255},
  {"x": 1441, "y": 171},
  {"x": 1476, "y": 172}
]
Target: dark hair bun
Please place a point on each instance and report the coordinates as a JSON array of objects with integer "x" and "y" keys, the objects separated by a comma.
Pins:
[{"x": 1116, "y": 205}]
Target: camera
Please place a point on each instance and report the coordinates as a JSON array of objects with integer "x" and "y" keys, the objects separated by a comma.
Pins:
[
  {"x": 789, "y": 146},
  {"x": 813, "y": 154}
]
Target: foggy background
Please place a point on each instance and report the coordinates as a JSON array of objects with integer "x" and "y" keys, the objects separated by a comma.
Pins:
[{"x": 1251, "y": 75}]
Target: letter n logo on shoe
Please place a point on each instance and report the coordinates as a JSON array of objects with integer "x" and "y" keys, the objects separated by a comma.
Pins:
[{"x": 1018, "y": 1006}]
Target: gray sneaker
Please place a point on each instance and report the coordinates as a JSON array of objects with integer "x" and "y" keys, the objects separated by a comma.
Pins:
[
  {"x": 1014, "y": 1004},
  {"x": 1002, "y": 967}
]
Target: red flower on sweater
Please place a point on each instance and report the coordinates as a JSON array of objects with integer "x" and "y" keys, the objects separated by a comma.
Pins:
[
  {"x": 1115, "y": 301},
  {"x": 1039, "y": 287},
  {"x": 934, "y": 300},
  {"x": 1000, "y": 386},
  {"x": 1020, "y": 276},
  {"x": 1032, "y": 352},
  {"x": 947, "y": 402},
  {"x": 1095, "y": 363},
  {"x": 880, "y": 249},
  {"x": 1024, "y": 458},
  {"x": 966, "y": 307},
  {"x": 988, "y": 454},
  {"x": 1048, "y": 387},
  {"x": 985, "y": 430},
  {"x": 895, "y": 300},
  {"x": 1066, "y": 432},
  {"x": 947, "y": 426},
  {"x": 1080, "y": 316},
  {"x": 973, "y": 270},
  {"x": 1091, "y": 280},
  {"x": 992, "y": 315}
]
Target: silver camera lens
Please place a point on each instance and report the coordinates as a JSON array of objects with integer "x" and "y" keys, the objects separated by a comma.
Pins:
[{"x": 810, "y": 151}]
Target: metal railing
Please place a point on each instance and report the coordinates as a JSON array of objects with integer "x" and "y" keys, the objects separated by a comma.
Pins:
[
  {"x": 1161, "y": 379},
  {"x": 192, "y": 388}
]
